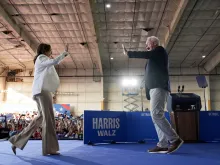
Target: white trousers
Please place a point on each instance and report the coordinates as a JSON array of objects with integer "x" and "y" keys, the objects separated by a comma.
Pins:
[
  {"x": 46, "y": 118},
  {"x": 163, "y": 128}
]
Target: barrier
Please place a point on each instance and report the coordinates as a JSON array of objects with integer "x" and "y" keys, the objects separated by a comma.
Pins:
[
  {"x": 104, "y": 126},
  {"x": 108, "y": 126},
  {"x": 209, "y": 122},
  {"x": 140, "y": 127}
]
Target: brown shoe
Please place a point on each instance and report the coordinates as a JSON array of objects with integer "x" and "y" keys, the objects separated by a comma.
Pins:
[
  {"x": 158, "y": 150},
  {"x": 175, "y": 146}
]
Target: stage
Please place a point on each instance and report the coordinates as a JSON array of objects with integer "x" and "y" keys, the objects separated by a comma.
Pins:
[{"x": 76, "y": 153}]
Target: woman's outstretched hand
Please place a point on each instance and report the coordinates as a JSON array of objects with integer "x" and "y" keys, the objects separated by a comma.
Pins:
[{"x": 65, "y": 53}]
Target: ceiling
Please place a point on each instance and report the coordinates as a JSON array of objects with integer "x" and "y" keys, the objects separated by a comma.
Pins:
[
  {"x": 129, "y": 22},
  {"x": 58, "y": 23},
  {"x": 189, "y": 29},
  {"x": 197, "y": 34}
]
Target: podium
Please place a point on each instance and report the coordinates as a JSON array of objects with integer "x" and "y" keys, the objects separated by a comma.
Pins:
[
  {"x": 184, "y": 114},
  {"x": 186, "y": 124}
]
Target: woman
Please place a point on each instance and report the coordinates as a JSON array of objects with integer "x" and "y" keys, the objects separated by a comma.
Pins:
[{"x": 45, "y": 82}]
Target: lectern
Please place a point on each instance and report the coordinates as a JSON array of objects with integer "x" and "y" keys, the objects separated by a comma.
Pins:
[{"x": 184, "y": 113}]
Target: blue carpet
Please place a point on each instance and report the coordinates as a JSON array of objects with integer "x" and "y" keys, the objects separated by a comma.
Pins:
[{"x": 75, "y": 153}]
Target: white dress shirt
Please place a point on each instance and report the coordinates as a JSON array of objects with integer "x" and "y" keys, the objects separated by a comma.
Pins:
[{"x": 45, "y": 75}]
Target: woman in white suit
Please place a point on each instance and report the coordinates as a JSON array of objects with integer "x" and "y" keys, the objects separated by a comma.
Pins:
[{"x": 46, "y": 81}]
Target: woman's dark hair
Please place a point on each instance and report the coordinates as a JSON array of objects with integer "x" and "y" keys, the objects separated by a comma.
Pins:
[{"x": 42, "y": 49}]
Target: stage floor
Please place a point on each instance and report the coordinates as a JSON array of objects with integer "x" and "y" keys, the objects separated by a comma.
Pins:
[{"x": 75, "y": 153}]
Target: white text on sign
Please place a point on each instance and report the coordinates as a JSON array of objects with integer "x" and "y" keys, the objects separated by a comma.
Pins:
[{"x": 106, "y": 126}]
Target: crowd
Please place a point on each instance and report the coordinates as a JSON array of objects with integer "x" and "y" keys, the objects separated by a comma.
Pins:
[{"x": 67, "y": 127}]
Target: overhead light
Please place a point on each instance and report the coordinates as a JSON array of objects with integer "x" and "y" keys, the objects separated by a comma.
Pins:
[
  {"x": 111, "y": 58},
  {"x": 83, "y": 43},
  {"x": 203, "y": 56},
  {"x": 7, "y": 32},
  {"x": 148, "y": 29},
  {"x": 108, "y": 5},
  {"x": 54, "y": 14}
]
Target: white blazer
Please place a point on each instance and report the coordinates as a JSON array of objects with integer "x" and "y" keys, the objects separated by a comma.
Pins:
[{"x": 45, "y": 75}]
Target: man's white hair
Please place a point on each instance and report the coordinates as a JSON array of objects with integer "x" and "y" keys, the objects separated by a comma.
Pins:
[{"x": 153, "y": 39}]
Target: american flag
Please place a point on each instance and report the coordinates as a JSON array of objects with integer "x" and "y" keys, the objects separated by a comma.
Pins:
[{"x": 62, "y": 108}]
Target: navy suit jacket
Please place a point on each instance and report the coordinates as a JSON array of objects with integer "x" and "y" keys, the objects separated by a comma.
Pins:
[{"x": 156, "y": 70}]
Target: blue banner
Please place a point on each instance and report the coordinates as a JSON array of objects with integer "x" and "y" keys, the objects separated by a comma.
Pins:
[
  {"x": 107, "y": 126},
  {"x": 141, "y": 127},
  {"x": 209, "y": 122},
  {"x": 104, "y": 126}
]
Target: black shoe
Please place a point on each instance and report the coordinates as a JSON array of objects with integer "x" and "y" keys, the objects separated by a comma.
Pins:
[
  {"x": 55, "y": 153},
  {"x": 158, "y": 150},
  {"x": 175, "y": 146},
  {"x": 13, "y": 149}
]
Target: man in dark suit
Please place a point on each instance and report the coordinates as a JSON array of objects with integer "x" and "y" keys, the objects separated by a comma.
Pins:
[{"x": 157, "y": 88}]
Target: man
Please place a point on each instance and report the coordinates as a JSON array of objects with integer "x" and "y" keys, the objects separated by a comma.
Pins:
[{"x": 157, "y": 84}]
